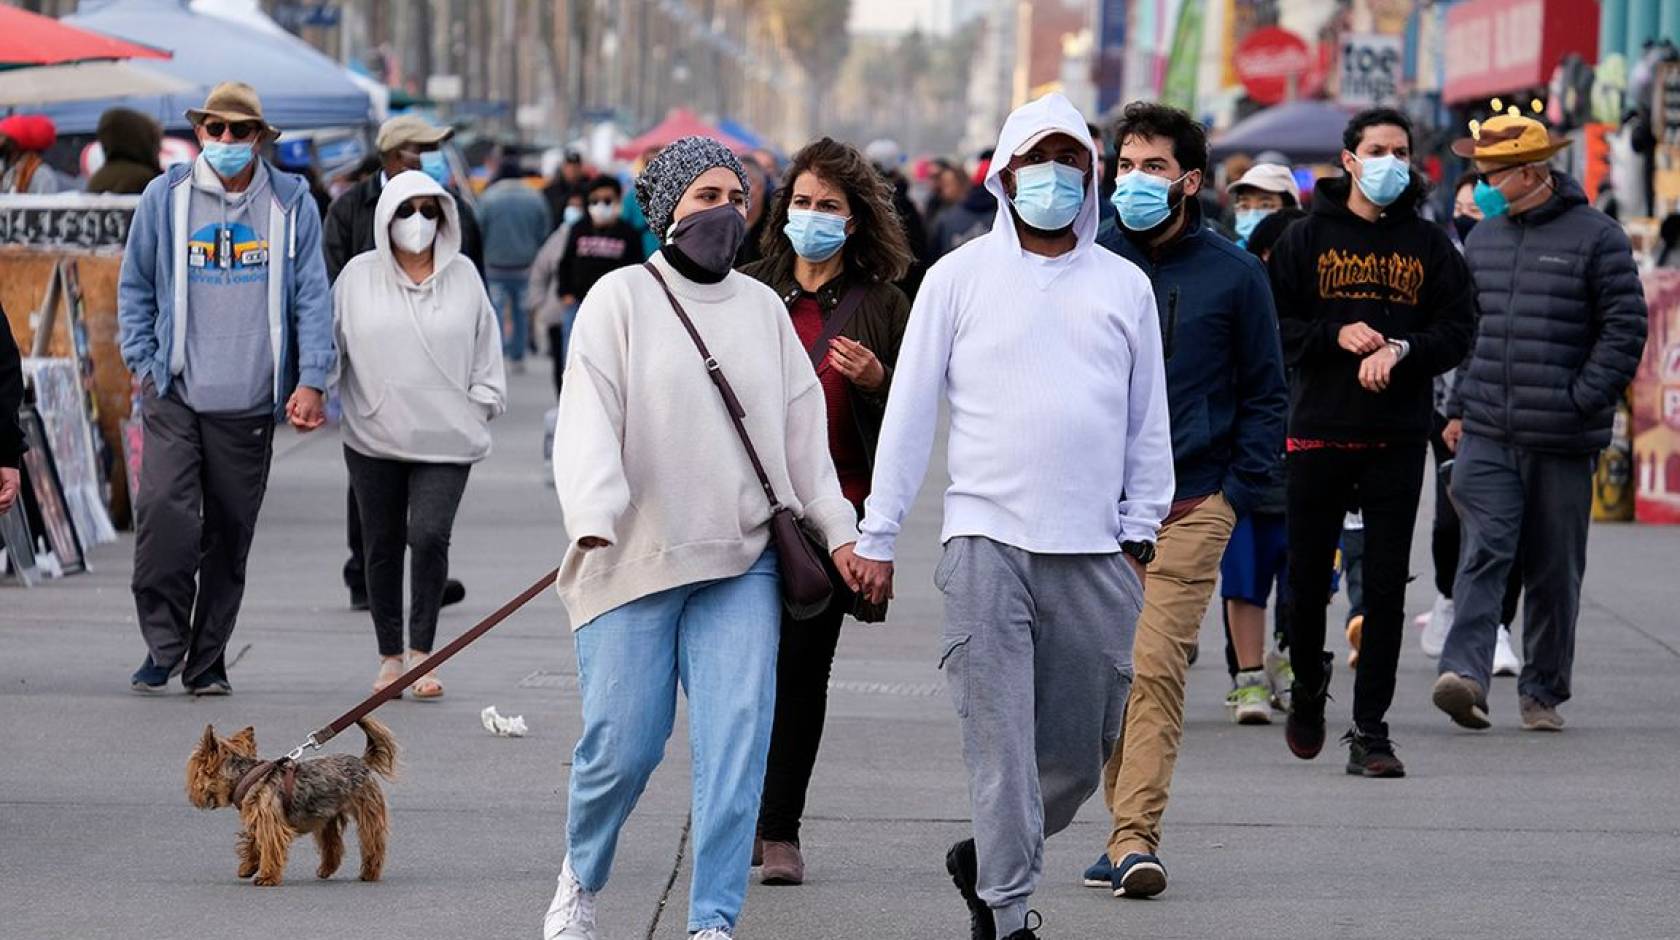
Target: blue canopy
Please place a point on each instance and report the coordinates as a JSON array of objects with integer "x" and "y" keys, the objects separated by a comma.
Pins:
[
  {"x": 300, "y": 87},
  {"x": 1304, "y": 131},
  {"x": 741, "y": 132}
]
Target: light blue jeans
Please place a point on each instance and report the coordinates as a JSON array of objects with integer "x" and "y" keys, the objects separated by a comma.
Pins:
[
  {"x": 506, "y": 287},
  {"x": 718, "y": 638}
]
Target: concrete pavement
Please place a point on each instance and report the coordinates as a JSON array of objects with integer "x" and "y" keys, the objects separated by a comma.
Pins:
[{"x": 1502, "y": 834}]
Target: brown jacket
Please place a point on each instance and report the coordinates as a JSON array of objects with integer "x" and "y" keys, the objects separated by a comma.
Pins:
[{"x": 878, "y": 324}]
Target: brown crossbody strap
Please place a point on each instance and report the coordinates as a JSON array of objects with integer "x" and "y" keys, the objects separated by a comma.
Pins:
[{"x": 732, "y": 404}]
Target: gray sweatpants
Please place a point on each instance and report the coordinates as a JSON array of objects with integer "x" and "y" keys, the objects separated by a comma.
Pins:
[
  {"x": 1506, "y": 496},
  {"x": 1037, "y": 653},
  {"x": 202, "y": 479}
]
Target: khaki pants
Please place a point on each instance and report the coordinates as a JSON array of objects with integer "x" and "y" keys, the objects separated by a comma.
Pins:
[{"x": 1181, "y": 582}]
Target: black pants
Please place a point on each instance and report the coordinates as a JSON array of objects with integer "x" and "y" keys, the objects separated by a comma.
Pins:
[
  {"x": 1385, "y": 483},
  {"x": 803, "y": 665},
  {"x": 406, "y": 505},
  {"x": 201, "y": 488},
  {"x": 1446, "y": 535},
  {"x": 557, "y": 352}
]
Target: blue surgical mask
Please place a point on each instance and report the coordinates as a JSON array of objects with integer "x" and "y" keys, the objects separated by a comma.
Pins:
[
  {"x": 572, "y": 214},
  {"x": 1247, "y": 219},
  {"x": 1383, "y": 179},
  {"x": 816, "y": 236},
  {"x": 228, "y": 160},
  {"x": 1048, "y": 195},
  {"x": 1143, "y": 201},
  {"x": 433, "y": 164}
]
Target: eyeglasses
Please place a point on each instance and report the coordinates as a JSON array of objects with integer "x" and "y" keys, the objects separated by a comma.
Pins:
[
  {"x": 241, "y": 130},
  {"x": 427, "y": 210}
]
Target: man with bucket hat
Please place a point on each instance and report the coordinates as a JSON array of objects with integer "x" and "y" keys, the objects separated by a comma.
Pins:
[
  {"x": 227, "y": 321},
  {"x": 1561, "y": 330}
]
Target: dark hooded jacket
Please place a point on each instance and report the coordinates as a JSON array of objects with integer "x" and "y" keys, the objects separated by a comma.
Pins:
[
  {"x": 1561, "y": 330},
  {"x": 963, "y": 222},
  {"x": 1401, "y": 276},
  {"x": 130, "y": 141}
]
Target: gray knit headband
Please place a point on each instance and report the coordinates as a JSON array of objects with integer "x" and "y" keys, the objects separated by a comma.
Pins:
[{"x": 668, "y": 176}]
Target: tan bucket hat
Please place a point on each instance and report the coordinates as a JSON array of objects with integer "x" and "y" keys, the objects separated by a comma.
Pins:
[
  {"x": 232, "y": 102},
  {"x": 1511, "y": 139}
]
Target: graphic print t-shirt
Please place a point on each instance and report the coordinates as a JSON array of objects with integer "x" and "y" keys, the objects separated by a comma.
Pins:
[{"x": 229, "y": 355}]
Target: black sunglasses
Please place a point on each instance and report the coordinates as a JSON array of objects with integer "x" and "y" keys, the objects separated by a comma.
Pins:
[
  {"x": 242, "y": 130},
  {"x": 428, "y": 210}
]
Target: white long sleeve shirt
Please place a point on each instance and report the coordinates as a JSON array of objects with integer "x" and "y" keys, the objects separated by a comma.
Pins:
[{"x": 1052, "y": 367}]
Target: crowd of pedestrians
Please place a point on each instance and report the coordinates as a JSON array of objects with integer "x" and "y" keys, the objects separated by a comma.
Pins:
[{"x": 1142, "y": 410}]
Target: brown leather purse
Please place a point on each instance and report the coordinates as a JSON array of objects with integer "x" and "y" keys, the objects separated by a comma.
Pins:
[{"x": 801, "y": 553}]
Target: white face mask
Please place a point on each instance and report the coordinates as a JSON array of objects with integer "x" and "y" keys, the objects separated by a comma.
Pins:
[
  {"x": 414, "y": 234},
  {"x": 603, "y": 215}
]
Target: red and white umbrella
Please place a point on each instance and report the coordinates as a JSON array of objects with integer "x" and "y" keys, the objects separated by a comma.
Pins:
[{"x": 28, "y": 39}]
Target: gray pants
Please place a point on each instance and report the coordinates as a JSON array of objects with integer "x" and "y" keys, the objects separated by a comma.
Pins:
[
  {"x": 202, "y": 479},
  {"x": 1037, "y": 653},
  {"x": 1506, "y": 495}
]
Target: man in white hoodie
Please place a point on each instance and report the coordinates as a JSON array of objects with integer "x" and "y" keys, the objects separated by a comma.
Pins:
[{"x": 1048, "y": 350}]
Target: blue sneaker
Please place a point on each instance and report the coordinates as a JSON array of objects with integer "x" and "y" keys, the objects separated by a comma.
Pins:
[
  {"x": 1100, "y": 874},
  {"x": 1139, "y": 876},
  {"x": 150, "y": 678}
]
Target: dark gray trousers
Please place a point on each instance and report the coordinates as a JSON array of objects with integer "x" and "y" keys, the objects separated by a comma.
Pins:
[
  {"x": 1037, "y": 653},
  {"x": 1506, "y": 495},
  {"x": 202, "y": 480}
]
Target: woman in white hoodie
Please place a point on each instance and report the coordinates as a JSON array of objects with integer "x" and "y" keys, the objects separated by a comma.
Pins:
[{"x": 420, "y": 377}]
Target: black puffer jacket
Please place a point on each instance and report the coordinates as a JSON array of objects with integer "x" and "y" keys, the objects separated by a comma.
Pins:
[{"x": 1561, "y": 329}]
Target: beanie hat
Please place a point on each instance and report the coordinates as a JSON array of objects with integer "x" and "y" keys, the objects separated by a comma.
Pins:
[
  {"x": 29, "y": 131},
  {"x": 668, "y": 176}
]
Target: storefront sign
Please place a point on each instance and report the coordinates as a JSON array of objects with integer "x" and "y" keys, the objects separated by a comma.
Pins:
[
  {"x": 66, "y": 221},
  {"x": 1272, "y": 59},
  {"x": 1498, "y": 46},
  {"x": 1370, "y": 72}
]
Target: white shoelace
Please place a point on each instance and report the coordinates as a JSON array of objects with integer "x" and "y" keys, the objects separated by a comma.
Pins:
[
  {"x": 573, "y": 907},
  {"x": 712, "y": 933}
]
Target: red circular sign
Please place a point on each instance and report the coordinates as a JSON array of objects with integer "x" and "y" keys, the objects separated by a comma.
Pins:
[{"x": 1268, "y": 58}]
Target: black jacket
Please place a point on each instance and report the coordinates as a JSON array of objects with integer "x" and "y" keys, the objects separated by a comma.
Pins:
[
  {"x": 592, "y": 253},
  {"x": 11, "y": 397},
  {"x": 878, "y": 324},
  {"x": 1561, "y": 330},
  {"x": 1225, "y": 386},
  {"x": 347, "y": 230},
  {"x": 1401, "y": 276}
]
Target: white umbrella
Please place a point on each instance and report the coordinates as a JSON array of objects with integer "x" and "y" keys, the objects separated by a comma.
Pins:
[{"x": 83, "y": 81}]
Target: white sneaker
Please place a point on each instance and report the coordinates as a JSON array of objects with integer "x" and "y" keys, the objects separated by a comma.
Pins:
[
  {"x": 571, "y": 916},
  {"x": 1250, "y": 703},
  {"x": 712, "y": 933},
  {"x": 1435, "y": 629},
  {"x": 1505, "y": 661},
  {"x": 1280, "y": 675}
]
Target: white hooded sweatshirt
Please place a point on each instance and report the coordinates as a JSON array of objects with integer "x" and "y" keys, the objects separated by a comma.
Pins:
[
  {"x": 1060, "y": 441},
  {"x": 419, "y": 365}
]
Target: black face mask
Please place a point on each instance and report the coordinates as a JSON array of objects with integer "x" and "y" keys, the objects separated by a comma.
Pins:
[
  {"x": 1464, "y": 223},
  {"x": 710, "y": 239}
]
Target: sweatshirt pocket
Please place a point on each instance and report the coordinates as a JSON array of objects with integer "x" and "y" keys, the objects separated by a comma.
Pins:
[{"x": 429, "y": 421}]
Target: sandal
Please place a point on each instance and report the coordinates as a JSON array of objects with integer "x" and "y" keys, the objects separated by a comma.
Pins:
[
  {"x": 427, "y": 687},
  {"x": 390, "y": 670}
]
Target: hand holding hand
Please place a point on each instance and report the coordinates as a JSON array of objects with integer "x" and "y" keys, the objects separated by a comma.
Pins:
[
  {"x": 1452, "y": 434},
  {"x": 1360, "y": 339},
  {"x": 875, "y": 579},
  {"x": 306, "y": 410},
  {"x": 10, "y": 484},
  {"x": 855, "y": 361},
  {"x": 846, "y": 563},
  {"x": 1377, "y": 368}
]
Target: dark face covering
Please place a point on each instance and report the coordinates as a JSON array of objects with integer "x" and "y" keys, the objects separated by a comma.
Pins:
[
  {"x": 1464, "y": 223},
  {"x": 706, "y": 243}
]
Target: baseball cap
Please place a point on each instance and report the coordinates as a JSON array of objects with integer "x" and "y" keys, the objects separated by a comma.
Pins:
[{"x": 406, "y": 129}]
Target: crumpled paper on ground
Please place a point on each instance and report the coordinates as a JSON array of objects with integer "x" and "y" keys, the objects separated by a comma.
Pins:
[{"x": 502, "y": 726}]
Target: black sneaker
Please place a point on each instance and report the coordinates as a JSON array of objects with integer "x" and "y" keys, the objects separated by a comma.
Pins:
[
  {"x": 454, "y": 592},
  {"x": 1026, "y": 932},
  {"x": 1304, "y": 730},
  {"x": 358, "y": 597},
  {"x": 1371, "y": 755},
  {"x": 964, "y": 867},
  {"x": 213, "y": 684},
  {"x": 150, "y": 678}
]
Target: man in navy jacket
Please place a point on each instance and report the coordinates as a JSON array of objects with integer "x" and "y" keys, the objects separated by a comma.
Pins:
[{"x": 1226, "y": 393}]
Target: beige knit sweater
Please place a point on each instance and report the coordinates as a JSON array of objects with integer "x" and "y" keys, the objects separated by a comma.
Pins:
[{"x": 645, "y": 455}]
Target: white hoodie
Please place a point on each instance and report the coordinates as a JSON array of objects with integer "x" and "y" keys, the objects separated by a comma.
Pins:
[
  {"x": 419, "y": 365},
  {"x": 1060, "y": 441}
]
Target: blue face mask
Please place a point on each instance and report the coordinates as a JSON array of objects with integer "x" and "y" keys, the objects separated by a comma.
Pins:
[
  {"x": 434, "y": 165},
  {"x": 816, "y": 236},
  {"x": 1048, "y": 195},
  {"x": 1247, "y": 219},
  {"x": 572, "y": 215},
  {"x": 228, "y": 160},
  {"x": 1383, "y": 179},
  {"x": 1143, "y": 201}
]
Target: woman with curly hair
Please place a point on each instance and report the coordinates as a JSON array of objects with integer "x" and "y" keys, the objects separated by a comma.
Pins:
[{"x": 832, "y": 247}]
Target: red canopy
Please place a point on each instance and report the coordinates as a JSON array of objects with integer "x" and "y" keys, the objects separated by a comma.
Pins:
[
  {"x": 31, "y": 39},
  {"x": 679, "y": 123}
]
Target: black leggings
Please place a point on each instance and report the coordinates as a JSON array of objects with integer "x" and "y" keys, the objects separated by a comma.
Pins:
[
  {"x": 406, "y": 505},
  {"x": 557, "y": 352},
  {"x": 803, "y": 665},
  {"x": 1445, "y": 537}
]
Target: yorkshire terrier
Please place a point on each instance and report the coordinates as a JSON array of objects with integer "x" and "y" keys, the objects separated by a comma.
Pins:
[{"x": 327, "y": 793}]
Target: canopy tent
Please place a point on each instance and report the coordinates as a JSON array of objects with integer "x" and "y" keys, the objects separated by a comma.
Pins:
[
  {"x": 31, "y": 39},
  {"x": 1303, "y": 131},
  {"x": 250, "y": 13},
  {"x": 80, "y": 81},
  {"x": 743, "y": 133},
  {"x": 300, "y": 87},
  {"x": 679, "y": 123}
]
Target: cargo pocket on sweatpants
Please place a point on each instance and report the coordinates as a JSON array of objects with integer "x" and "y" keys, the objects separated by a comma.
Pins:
[{"x": 953, "y": 660}]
